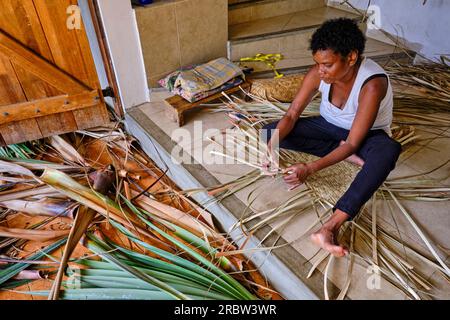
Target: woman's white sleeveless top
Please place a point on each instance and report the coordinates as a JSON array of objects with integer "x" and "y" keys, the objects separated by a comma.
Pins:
[{"x": 344, "y": 118}]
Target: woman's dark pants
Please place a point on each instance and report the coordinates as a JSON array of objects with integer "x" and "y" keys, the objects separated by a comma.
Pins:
[{"x": 318, "y": 137}]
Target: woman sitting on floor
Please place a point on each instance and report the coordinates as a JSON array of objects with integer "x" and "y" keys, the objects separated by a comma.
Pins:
[{"x": 354, "y": 122}]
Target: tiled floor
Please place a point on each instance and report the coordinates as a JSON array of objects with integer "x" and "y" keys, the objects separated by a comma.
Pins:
[{"x": 432, "y": 217}]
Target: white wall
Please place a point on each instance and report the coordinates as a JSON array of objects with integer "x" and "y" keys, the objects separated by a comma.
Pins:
[
  {"x": 424, "y": 28},
  {"x": 122, "y": 36}
]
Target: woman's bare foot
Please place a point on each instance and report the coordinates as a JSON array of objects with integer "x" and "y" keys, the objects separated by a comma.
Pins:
[
  {"x": 325, "y": 239},
  {"x": 354, "y": 158},
  {"x": 326, "y": 236}
]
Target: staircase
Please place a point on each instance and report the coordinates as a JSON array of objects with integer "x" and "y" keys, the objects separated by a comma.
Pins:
[{"x": 285, "y": 26}]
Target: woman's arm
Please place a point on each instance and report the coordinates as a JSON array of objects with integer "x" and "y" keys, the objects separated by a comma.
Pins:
[
  {"x": 369, "y": 102},
  {"x": 304, "y": 95}
]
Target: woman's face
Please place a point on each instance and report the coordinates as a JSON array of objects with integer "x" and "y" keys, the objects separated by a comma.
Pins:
[{"x": 333, "y": 66}]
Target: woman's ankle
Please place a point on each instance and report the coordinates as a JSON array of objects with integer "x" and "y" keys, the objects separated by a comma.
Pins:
[{"x": 336, "y": 220}]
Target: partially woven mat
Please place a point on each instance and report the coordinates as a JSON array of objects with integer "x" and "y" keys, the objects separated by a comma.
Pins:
[
  {"x": 330, "y": 183},
  {"x": 282, "y": 89}
]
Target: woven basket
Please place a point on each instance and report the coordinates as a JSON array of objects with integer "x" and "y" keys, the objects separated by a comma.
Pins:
[{"x": 283, "y": 89}]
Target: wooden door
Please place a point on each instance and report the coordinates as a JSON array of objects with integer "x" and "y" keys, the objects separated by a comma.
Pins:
[{"x": 48, "y": 81}]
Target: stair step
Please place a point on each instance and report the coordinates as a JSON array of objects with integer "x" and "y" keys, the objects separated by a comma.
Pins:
[
  {"x": 296, "y": 21},
  {"x": 290, "y": 35},
  {"x": 297, "y": 61},
  {"x": 255, "y": 10},
  {"x": 287, "y": 34},
  {"x": 235, "y": 3}
]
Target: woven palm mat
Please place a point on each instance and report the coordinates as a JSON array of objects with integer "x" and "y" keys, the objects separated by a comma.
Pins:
[{"x": 330, "y": 183}]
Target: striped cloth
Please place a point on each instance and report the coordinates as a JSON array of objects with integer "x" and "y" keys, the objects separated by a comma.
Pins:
[{"x": 205, "y": 78}]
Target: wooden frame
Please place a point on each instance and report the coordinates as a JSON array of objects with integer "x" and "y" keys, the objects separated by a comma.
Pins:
[
  {"x": 106, "y": 56},
  {"x": 43, "y": 107}
]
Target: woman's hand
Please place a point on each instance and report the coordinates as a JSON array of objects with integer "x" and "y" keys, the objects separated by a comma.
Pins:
[
  {"x": 297, "y": 174},
  {"x": 270, "y": 164}
]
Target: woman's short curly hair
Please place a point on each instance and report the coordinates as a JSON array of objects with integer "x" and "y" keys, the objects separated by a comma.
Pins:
[{"x": 341, "y": 35}]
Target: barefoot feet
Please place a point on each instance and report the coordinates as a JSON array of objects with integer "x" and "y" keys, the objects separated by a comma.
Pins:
[
  {"x": 326, "y": 239},
  {"x": 354, "y": 158}
]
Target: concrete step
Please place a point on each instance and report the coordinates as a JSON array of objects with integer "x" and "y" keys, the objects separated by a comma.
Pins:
[
  {"x": 289, "y": 35},
  {"x": 232, "y": 3},
  {"x": 285, "y": 23},
  {"x": 300, "y": 60},
  {"x": 247, "y": 11}
]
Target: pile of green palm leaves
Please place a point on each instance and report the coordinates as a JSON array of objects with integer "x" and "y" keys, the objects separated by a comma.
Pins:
[{"x": 135, "y": 246}]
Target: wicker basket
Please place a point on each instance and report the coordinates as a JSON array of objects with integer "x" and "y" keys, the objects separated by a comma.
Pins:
[{"x": 282, "y": 89}]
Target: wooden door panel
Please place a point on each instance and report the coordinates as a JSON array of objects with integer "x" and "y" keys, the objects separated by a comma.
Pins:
[
  {"x": 48, "y": 79},
  {"x": 31, "y": 35},
  {"x": 64, "y": 44},
  {"x": 36, "y": 89},
  {"x": 43, "y": 69},
  {"x": 10, "y": 88},
  {"x": 32, "y": 86},
  {"x": 19, "y": 19},
  {"x": 24, "y": 130},
  {"x": 91, "y": 117},
  {"x": 44, "y": 107},
  {"x": 57, "y": 123}
]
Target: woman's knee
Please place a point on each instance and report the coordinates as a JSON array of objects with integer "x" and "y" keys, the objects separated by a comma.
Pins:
[
  {"x": 394, "y": 149},
  {"x": 391, "y": 152},
  {"x": 383, "y": 150}
]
